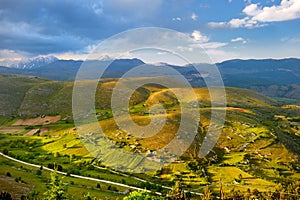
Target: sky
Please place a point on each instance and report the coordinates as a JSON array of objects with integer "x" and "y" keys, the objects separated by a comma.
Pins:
[{"x": 225, "y": 29}]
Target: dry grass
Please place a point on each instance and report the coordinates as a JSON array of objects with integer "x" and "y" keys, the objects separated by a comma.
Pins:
[{"x": 11, "y": 129}]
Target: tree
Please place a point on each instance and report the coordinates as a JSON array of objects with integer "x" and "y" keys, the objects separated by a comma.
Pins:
[
  {"x": 5, "y": 196},
  {"x": 98, "y": 185},
  {"x": 207, "y": 194},
  {"x": 5, "y": 151},
  {"x": 87, "y": 196},
  {"x": 177, "y": 193},
  {"x": 8, "y": 174},
  {"x": 57, "y": 190},
  {"x": 39, "y": 172}
]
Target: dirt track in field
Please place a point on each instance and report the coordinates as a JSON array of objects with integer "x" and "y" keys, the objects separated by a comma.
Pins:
[{"x": 37, "y": 121}]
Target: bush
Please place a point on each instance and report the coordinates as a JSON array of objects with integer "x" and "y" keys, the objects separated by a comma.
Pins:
[
  {"x": 29, "y": 127},
  {"x": 38, "y": 172},
  {"x": 8, "y": 174},
  {"x": 57, "y": 167},
  {"x": 113, "y": 188},
  {"x": 98, "y": 185},
  {"x": 5, "y": 195},
  {"x": 141, "y": 195},
  {"x": 5, "y": 151}
]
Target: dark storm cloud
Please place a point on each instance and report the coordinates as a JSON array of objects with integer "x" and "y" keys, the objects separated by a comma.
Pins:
[{"x": 41, "y": 27}]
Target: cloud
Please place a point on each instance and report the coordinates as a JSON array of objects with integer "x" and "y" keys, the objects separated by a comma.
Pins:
[
  {"x": 11, "y": 55},
  {"x": 257, "y": 16},
  {"x": 239, "y": 39},
  {"x": 194, "y": 16},
  {"x": 176, "y": 19},
  {"x": 64, "y": 26},
  {"x": 199, "y": 37},
  {"x": 251, "y": 10},
  {"x": 246, "y": 22},
  {"x": 287, "y": 10},
  {"x": 209, "y": 45},
  {"x": 182, "y": 48},
  {"x": 202, "y": 41},
  {"x": 8, "y": 57},
  {"x": 217, "y": 24}
]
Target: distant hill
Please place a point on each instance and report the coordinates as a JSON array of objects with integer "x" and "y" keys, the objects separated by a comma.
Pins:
[
  {"x": 261, "y": 72},
  {"x": 13, "y": 90},
  {"x": 276, "y": 78},
  {"x": 31, "y": 96}
]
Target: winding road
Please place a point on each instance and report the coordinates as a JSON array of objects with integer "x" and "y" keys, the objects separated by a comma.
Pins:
[{"x": 93, "y": 179}]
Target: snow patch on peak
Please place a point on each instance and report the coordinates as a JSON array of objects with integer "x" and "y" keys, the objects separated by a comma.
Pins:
[{"x": 35, "y": 62}]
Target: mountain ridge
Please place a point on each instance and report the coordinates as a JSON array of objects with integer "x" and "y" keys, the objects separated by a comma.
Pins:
[{"x": 261, "y": 75}]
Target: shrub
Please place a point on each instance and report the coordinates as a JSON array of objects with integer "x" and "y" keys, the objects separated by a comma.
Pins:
[
  {"x": 5, "y": 151},
  {"x": 38, "y": 172},
  {"x": 5, "y": 195}
]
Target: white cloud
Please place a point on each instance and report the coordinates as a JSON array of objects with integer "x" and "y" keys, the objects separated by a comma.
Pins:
[
  {"x": 11, "y": 54},
  {"x": 229, "y": 1},
  {"x": 251, "y": 10},
  {"x": 236, "y": 23},
  {"x": 200, "y": 40},
  {"x": 209, "y": 45},
  {"x": 287, "y": 10},
  {"x": 182, "y": 48},
  {"x": 217, "y": 24},
  {"x": 246, "y": 22},
  {"x": 199, "y": 37},
  {"x": 257, "y": 16},
  {"x": 239, "y": 39},
  {"x": 9, "y": 57},
  {"x": 176, "y": 19},
  {"x": 194, "y": 16}
]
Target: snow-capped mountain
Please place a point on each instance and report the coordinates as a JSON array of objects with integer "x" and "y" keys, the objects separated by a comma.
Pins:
[{"x": 34, "y": 63}]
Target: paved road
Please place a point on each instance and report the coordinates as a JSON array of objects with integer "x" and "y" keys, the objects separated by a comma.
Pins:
[
  {"x": 93, "y": 179},
  {"x": 76, "y": 176}
]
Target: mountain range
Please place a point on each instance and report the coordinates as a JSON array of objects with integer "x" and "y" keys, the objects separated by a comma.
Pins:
[{"x": 275, "y": 78}]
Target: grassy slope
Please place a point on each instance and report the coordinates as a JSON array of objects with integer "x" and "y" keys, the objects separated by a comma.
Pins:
[{"x": 12, "y": 92}]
